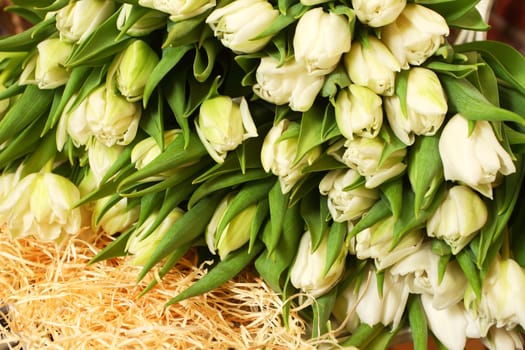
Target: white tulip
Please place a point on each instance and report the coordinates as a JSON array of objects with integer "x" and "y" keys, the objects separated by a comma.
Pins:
[
  {"x": 422, "y": 271},
  {"x": 111, "y": 118},
  {"x": 501, "y": 338},
  {"x": 307, "y": 271},
  {"x": 415, "y": 35},
  {"x": 50, "y": 71},
  {"x": 42, "y": 204},
  {"x": 134, "y": 67},
  {"x": 101, "y": 158},
  {"x": 287, "y": 83},
  {"x": 346, "y": 205},
  {"x": 458, "y": 218},
  {"x": 473, "y": 157},
  {"x": 376, "y": 242},
  {"x": 141, "y": 246},
  {"x": 310, "y": 44},
  {"x": 366, "y": 156},
  {"x": 236, "y": 232},
  {"x": 278, "y": 155},
  {"x": 502, "y": 303},
  {"x": 179, "y": 9},
  {"x": 117, "y": 219},
  {"x": 146, "y": 24},
  {"x": 426, "y": 106},
  {"x": 358, "y": 111},
  {"x": 78, "y": 19},
  {"x": 223, "y": 124},
  {"x": 370, "y": 63},
  {"x": 239, "y": 24},
  {"x": 448, "y": 324},
  {"x": 378, "y": 13}
]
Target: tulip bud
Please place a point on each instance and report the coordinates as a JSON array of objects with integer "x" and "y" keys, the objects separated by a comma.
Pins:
[
  {"x": 458, "y": 218},
  {"x": 308, "y": 270},
  {"x": 148, "y": 149},
  {"x": 422, "y": 271},
  {"x": 146, "y": 24},
  {"x": 358, "y": 111},
  {"x": 310, "y": 44},
  {"x": 77, "y": 20},
  {"x": 117, "y": 219},
  {"x": 239, "y": 24},
  {"x": 235, "y": 233},
  {"x": 101, "y": 158},
  {"x": 179, "y": 9},
  {"x": 49, "y": 69},
  {"x": 366, "y": 156},
  {"x": 377, "y": 13},
  {"x": 346, "y": 205},
  {"x": 448, "y": 324},
  {"x": 223, "y": 124},
  {"x": 287, "y": 83},
  {"x": 370, "y": 304},
  {"x": 142, "y": 246},
  {"x": 473, "y": 157},
  {"x": 278, "y": 154},
  {"x": 135, "y": 65},
  {"x": 369, "y": 63},
  {"x": 502, "y": 303},
  {"x": 415, "y": 35},
  {"x": 376, "y": 242},
  {"x": 42, "y": 204},
  {"x": 426, "y": 106},
  {"x": 112, "y": 119}
]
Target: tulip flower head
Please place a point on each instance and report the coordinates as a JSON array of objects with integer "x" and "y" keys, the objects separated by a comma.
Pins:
[
  {"x": 279, "y": 151},
  {"x": 426, "y": 106},
  {"x": 378, "y": 13},
  {"x": 146, "y": 24},
  {"x": 117, "y": 219},
  {"x": 311, "y": 47},
  {"x": 50, "y": 71},
  {"x": 223, "y": 124},
  {"x": 474, "y": 158},
  {"x": 179, "y": 9},
  {"x": 288, "y": 83},
  {"x": 359, "y": 112},
  {"x": 415, "y": 35},
  {"x": 239, "y": 24},
  {"x": 42, "y": 204}
]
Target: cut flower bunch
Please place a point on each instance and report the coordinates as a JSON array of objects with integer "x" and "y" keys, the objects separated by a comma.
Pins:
[{"x": 368, "y": 167}]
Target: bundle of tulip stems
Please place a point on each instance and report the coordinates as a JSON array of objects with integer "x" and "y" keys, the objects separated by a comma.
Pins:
[{"x": 365, "y": 166}]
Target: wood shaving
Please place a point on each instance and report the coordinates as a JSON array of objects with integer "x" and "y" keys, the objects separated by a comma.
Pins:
[{"x": 57, "y": 301}]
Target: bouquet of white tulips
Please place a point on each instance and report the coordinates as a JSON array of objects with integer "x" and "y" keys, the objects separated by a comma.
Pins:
[{"x": 367, "y": 166}]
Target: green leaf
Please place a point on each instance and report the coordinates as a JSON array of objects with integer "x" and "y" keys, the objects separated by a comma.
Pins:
[
  {"x": 465, "y": 99},
  {"x": 466, "y": 261},
  {"x": 506, "y": 61},
  {"x": 172, "y": 157},
  {"x": 314, "y": 211},
  {"x": 335, "y": 243},
  {"x": 23, "y": 143},
  {"x": 250, "y": 193},
  {"x": 225, "y": 270},
  {"x": 228, "y": 180},
  {"x": 418, "y": 323},
  {"x": 304, "y": 187},
  {"x": 392, "y": 191},
  {"x": 152, "y": 119},
  {"x": 335, "y": 81},
  {"x": 322, "y": 310},
  {"x": 278, "y": 203},
  {"x": 425, "y": 170},
  {"x": 45, "y": 151},
  {"x": 378, "y": 212},
  {"x": 31, "y": 105},
  {"x": 29, "y": 38},
  {"x": 260, "y": 218},
  {"x": 184, "y": 230},
  {"x": 455, "y": 70},
  {"x": 114, "y": 249},
  {"x": 105, "y": 42},
  {"x": 170, "y": 57},
  {"x": 364, "y": 335},
  {"x": 205, "y": 61},
  {"x": 470, "y": 20}
]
